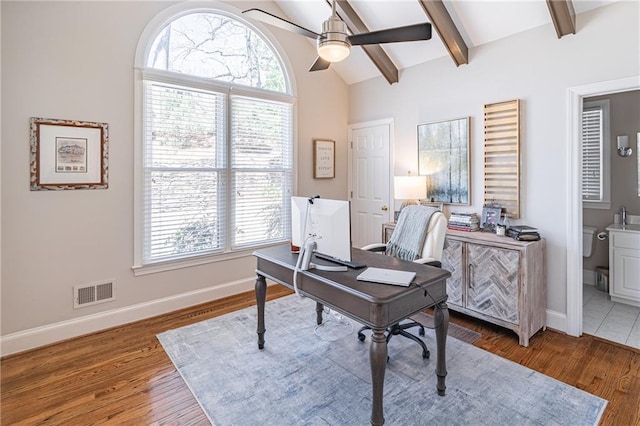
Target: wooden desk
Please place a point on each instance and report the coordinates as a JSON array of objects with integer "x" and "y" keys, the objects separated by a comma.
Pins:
[{"x": 377, "y": 305}]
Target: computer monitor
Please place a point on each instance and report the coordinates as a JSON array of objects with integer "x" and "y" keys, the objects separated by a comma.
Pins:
[{"x": 323, "y": 221}]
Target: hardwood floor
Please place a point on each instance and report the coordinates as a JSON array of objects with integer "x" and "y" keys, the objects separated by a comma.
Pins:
[{"x": 122, "y": 375}]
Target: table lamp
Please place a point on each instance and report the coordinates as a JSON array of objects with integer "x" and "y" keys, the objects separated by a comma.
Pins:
[{"x": 409, "y": 189}]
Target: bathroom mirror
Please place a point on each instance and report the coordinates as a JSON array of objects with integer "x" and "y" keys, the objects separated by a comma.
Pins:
[{"x": 443, "y": 157}]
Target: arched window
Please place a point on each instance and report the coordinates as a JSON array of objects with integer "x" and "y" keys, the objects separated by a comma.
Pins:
[
  {"x": 217, "y": 47},
  {"x": 215, "y": 166}
]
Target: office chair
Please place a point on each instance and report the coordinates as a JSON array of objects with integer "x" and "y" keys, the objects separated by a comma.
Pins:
[{"x": 430, "y": 254}]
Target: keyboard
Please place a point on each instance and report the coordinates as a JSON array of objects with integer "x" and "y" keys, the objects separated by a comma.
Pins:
[{"x": 350, "y": 264}]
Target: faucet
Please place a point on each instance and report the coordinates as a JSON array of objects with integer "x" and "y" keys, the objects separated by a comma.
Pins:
[{"x": 623, "y": 216}]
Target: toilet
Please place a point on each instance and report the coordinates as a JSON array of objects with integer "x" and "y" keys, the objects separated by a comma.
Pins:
[{"x": 588, "y": 240}]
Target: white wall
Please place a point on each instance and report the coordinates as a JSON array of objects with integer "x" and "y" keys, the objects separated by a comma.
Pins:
[
  {"x": 535, "y": 67},
  {"x": 74, "y": 60}
]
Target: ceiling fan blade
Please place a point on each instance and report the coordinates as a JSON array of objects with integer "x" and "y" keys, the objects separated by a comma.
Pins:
[
  {"x": 320, "y": 64},
  {"x": 409, "y": 33},
  {"x": 279, "y": 22}
]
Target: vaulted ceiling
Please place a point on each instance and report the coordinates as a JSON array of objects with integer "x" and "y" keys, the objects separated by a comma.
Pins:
[{"x": 458, "y": 27}]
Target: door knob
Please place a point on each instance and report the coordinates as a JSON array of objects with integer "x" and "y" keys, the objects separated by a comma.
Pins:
[{"x": 384, "y": 208}]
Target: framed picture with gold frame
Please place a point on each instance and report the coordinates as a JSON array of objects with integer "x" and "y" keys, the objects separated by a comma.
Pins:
[{"x": 324, "y": 159}]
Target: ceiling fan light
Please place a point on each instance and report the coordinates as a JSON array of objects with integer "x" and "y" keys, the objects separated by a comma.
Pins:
[{"x": 333, "y": 50}]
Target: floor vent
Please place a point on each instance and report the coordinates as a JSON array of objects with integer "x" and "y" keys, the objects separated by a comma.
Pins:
[{"x": 93, "y": 293}]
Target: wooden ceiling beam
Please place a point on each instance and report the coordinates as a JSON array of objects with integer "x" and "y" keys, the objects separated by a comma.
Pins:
[
  {"x": 447, "y": 30},
  {"x": 377, "y": 55},
  {"x": 563, "y": 16}
]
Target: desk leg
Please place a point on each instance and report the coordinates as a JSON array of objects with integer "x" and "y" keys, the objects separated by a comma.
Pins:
[
  {"x": 378, "y": 359},
  {"x": 261, "y": 296},
  {"x": 441, "y": 318},
  {"x": 319, "y": 309}
]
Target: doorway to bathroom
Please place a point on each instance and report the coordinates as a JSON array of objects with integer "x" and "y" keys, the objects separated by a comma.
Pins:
[{"x": 590, "y": 309}]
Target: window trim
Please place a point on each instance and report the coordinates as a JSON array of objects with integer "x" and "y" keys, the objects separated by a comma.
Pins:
[
  {"x": 605, "y": 202},
  {"x": 141, "y": 71}
]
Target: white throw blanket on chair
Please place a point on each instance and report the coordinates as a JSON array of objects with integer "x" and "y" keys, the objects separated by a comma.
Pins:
[{"x": 408, "y": 237}]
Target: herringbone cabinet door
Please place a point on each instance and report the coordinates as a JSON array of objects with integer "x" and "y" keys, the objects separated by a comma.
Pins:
[
  {"x": 493, "y": 281},
  {"x": 452, "y": 262}
]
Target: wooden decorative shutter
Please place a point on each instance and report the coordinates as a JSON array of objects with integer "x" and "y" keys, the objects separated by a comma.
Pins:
[{"x": 502, "y": 156}]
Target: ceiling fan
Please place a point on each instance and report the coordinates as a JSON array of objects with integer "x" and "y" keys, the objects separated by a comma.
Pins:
[{"x": 334, "y": 43}]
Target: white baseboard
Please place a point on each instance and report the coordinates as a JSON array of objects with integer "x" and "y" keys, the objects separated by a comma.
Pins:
[
  {"x": 40, "y": 336},
  {"x": 44, "y": 335},
  {"x": 557, "y": 320}
]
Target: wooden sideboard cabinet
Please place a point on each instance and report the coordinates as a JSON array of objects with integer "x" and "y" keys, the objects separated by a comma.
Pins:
[
  {"x": 496, "y": 279},
  {"x": 387, "y": 230}
]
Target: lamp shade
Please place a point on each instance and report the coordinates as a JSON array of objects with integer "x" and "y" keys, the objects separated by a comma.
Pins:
[
  {"x": 334, "y": 45},
  {"x": 624, "y": 150},
  {"x": 333, "y": 50},
  {"x": 410, "y": 187},
  {"x": 623, "y": 141}
]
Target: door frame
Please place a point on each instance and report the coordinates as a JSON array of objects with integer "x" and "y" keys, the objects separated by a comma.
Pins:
[
  {"x": 575, "y": 96},
  {"x": 390, "y": 123}
]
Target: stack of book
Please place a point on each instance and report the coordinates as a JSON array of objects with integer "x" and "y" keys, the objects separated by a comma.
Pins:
[
  {"x": 523, "y": 233},
  {"x": 464, "y": 222}
]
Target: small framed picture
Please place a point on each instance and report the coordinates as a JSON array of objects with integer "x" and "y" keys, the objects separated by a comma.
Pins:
[
  {"x": 490, "y": 217},
  {"x": 324, "y": 159},
  {"x": 68, "y": 154}
]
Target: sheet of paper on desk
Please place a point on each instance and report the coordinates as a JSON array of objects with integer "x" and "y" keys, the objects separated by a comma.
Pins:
[{"x": 387, "y": 276}]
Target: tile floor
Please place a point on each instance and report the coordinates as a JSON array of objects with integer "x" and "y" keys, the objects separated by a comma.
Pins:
[{"x": 609, "y": 320}]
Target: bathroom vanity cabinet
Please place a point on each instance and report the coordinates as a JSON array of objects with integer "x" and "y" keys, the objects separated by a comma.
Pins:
[{"x": 624, "y": 263}]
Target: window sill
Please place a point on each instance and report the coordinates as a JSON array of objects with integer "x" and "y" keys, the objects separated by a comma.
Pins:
[
  {"x": 153, "y": 268},
  {"x": 596, "y": 205}
]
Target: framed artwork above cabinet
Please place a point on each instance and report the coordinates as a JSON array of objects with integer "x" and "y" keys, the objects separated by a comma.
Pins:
[{"x": 443, "y": 157}]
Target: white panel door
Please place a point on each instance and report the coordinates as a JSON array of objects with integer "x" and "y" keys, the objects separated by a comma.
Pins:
[{"x": 370, "y": 177}]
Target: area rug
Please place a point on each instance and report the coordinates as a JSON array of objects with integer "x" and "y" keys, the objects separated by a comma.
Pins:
[{"x": 300, "y": 379}]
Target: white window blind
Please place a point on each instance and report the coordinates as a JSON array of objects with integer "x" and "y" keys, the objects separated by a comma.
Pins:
[
  {"x": 596, "y": 186},
  {"x": 592, "y": 130},
  {"x": 214, "y": 171},
  {"x": 261, "y": 170},
  {"x": 184, "y": 172}
]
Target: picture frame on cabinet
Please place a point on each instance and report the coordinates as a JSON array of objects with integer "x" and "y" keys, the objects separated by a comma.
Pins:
[{"x": 490, "y": 217}]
